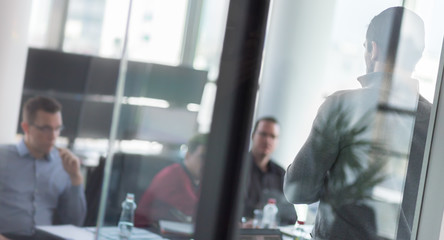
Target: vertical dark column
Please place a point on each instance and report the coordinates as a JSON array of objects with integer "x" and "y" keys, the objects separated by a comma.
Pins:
[{"x": 222, "y": 185}]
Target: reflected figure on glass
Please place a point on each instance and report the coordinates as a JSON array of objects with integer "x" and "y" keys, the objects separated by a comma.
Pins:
[
  {"x": 363, "y": 157},
  {"x": 266, "y": 178},
  {"x": 174, "y": 192},
  {"x": 40, "y": 184}
]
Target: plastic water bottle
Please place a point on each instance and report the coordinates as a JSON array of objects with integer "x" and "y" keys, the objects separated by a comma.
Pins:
[
  {"x": 269, "y": 214},
  {"x": 126, "y": 221}
]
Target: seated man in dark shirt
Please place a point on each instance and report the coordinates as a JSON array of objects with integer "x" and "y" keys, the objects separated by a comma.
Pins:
[
  {"x": 266, "y": 177},
  {"x": 174, "y": 192}
]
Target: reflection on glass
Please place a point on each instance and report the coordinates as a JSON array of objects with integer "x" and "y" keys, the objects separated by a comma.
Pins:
[
  {"x": 83, "y": 27},
  {"x": 157, "y": 30},
  {"x": 98, "y": 27},
  {"x": 156, "y": 120},
  {"x": 366, "y": 145},
  {"x": 159, "y": 112},
  {"x": 321, "y": 53},
  {"x": 162, "y": 106}
]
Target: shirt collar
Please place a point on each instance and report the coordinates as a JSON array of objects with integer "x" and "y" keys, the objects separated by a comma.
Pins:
[
  {"x": 269, "y": 167},
  {"x": 398, "y": 90},
  {"x": 373, "y": 79},
  {"x": 23, "y": 151},
  {"x": 376, "y": 78}
]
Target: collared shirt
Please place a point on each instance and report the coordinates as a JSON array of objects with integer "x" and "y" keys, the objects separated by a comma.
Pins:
[
  {"x": 264, "y": 185},
  {"x": 36, "y": 191}
]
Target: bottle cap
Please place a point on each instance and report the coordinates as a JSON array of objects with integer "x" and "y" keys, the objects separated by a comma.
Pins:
[
  {"x": 272, "y": 200},
  {"x": 300, "y": 222},
  {"x": 130, "y": 196}
]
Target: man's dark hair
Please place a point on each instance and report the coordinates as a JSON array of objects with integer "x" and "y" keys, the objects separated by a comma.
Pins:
[
  {"x": 265, "y": 119},
  {"x": 399, "y": 35},
  {"x": 35, "y": 104},
  {"x": 196, "y": 141}
]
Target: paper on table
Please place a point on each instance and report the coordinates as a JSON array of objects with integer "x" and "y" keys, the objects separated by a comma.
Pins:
[
  {"x": 176, "y": 227},
  {"x": 290, "y": 230},
  {"x": 70, "y": 232},
  {"x": 136, "y": 233}
]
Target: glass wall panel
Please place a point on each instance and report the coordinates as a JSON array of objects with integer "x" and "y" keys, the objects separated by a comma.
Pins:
[
  {"x": 97, "y": 28},
  {"x": 160, "y": 123},
  {"x": 348, "y": 125},
  {"x": 337, "y": 142},
  {"x": 104, "y": 72}
]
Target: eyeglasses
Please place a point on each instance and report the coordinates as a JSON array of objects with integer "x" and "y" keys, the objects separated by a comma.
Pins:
[{"x": 48, "y": 129}]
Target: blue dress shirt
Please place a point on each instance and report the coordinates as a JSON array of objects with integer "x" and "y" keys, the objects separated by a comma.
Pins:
[{"x": 36, "y": 191}]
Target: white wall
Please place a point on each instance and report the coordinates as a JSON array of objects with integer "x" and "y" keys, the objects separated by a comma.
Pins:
[
  {"x": 14, "y": 20},
  {"x": 291, "y": 74}
]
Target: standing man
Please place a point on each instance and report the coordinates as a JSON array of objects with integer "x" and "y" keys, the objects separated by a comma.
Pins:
[
  {"x": 363, "y": 157},
  {"x": 39, "y": 183},
  {"x": 266, "y": 177}
]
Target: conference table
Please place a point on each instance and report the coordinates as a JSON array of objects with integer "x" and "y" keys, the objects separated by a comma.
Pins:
[{"x": 71, "y": 232}]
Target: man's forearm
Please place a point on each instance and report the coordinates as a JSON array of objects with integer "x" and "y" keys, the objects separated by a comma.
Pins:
[{"x": 72, "y": 208}]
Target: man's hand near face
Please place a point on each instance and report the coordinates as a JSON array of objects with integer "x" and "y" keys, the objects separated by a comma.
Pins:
[{"x": 71, "y": 164}]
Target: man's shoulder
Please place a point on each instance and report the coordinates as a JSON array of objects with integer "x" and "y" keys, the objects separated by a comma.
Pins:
[
  {"x": 424, "y": 110},
  {"x": 167, "y": 179},
  {"x": 174, "y": 167},
  {"x": 274, "y": 167},
  {"x": 349, "y": 94},
  {"x": 8, "y": 149},
  {"x": 424, "y": 104},
  {"x": 8, "y": 146},
  {"x": 346, "y": 102},
  {"x": 171, "y": 171},
  {"x": 8, "y": 153}
]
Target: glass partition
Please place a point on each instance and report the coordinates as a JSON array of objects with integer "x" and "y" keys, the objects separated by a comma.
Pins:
[
  {"x": 136, "y": 110},
  {"x": 226, "y": 119},
  {"x": 351, "y": 142},
  {"x": 161, "y": 117}
]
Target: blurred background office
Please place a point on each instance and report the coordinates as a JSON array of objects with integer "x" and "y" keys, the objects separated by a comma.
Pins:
[{"x": 72, "y": 50}]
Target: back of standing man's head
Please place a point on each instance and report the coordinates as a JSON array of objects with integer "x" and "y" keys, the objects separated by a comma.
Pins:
[
  {"x": 33, "y": 105},
  {"x": 399, "y": 35}
]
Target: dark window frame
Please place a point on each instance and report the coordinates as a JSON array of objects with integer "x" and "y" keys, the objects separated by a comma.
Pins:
[{"x": 218, "y": 212}]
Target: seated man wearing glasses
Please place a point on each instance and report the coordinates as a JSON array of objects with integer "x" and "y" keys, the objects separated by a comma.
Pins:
[{"x": 40, "y": 184}]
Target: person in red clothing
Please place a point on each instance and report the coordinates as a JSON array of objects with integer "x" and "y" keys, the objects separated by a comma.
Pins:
[{"x": 174, "y": 192}]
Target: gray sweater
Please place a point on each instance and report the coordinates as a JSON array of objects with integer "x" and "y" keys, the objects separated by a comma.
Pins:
[{"x": 356, "y": 157}]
